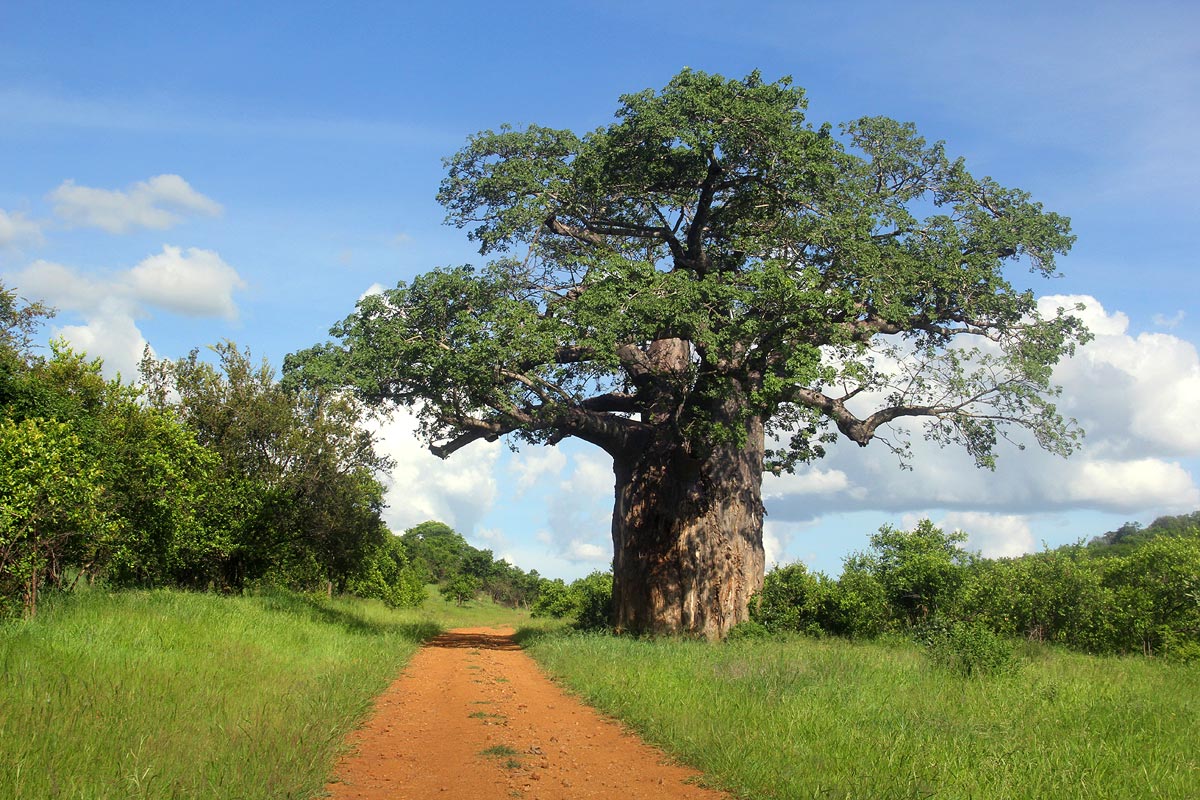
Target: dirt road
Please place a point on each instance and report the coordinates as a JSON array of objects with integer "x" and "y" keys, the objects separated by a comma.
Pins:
[{"x": 472, "y": 717}]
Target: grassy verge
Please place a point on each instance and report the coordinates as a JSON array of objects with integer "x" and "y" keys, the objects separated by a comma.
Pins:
[
  {"x": 834, "y": 719},
  {"x": 479, "y": 613},
  {"x": 172, "y": 695}
]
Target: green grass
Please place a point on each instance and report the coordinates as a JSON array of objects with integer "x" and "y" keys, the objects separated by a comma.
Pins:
[
  {"x": 480, "y": 613},
  {"x": 174, "y": 695},
  {"x": 834, "y": 719}
]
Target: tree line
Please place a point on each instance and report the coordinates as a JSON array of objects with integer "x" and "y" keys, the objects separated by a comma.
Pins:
[
  {"x": 211, "y": 476},
  {"x": 1133, "y": 590}
]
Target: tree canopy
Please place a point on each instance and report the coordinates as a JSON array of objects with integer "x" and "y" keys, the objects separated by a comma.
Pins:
[
  {"x": 708, "y": 288},
  {"x": 851, "y": 280}
]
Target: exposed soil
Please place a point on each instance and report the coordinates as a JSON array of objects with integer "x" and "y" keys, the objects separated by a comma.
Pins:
[{"x": 472, "y": 717}]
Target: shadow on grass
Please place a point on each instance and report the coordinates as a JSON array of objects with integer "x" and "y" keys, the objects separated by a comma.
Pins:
[{"x": 320, "y": 611}]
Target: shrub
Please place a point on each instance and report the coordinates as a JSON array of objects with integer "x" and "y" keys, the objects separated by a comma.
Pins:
[
  {"x": 748, "y": 630},
  {"x": 793, "y": 599},
  {"x": 968, "y": 648},
  {"x": 593, "y": 601}
]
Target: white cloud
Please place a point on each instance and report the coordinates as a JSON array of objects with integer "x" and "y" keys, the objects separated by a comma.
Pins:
[
  {"x": 579, "y": 513},
  {"x": 811, "y": 481},
  {"x": 776, "y": 538},
  {"x": 194, "y": 282},
  {"x": 579, "y": 550},
  {"x": 993, "y": 535},
  {"x": 157, "y": 203},
  {"x": 112, "y": 335},
  {"x": 1133, "y": 394},
  {"x": 1171, "y": 322},
  {"x": 16, "y": 230},
  {"x": 1130, "y": 485},
  {"x": 373, "y": 289},
  {"x": 458, "y": 491},
  {"x": 63, "y": 287},
  {"x": 531, "y": 466}
]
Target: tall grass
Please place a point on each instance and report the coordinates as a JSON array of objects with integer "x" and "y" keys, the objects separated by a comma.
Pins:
[
  {"x": 834, "y": 719},
  {"x": 173, "y": 695}
]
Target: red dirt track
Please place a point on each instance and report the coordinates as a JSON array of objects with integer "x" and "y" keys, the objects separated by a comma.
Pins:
[{"x": 473, "y": 689}]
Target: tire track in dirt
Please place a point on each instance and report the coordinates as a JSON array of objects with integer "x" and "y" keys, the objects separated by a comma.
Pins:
[{"x": 472, "y": 716}]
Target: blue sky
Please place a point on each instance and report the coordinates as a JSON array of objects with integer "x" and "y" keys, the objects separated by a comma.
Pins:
[{"x": 180, "y": 173}]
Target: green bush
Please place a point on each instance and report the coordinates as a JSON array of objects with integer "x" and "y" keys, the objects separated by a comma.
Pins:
[
  {"x": 793, "y": 600},
  {"x": 748, "y": 630},
  {"x": 967, "y": 648},
  {"x": 593, "y": 601},
  {"x": 587, "y": 601}
]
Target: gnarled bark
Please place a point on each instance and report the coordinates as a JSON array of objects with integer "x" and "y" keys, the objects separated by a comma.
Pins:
[{"x": 687, "y": 536}]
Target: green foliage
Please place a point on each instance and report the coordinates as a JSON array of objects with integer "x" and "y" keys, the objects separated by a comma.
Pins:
[
  {"x": 386, "y": 574},
  {"x": 920, "y": 570},
  {"x": 216, "y": 477},
  {"x": 594, "y": 600},
  {"x": 586, "y": 601},
  {"x": 437, "y": 547},
  {"x": 1139, "y": 596},
  {"x": 784, "y": 259},
  {"x": 50, "y": 497},
  {"x": 828, "y": 718},
  {"x": 795, "y": 600},
  {"x": 294, "y": 498},
  {"x": 554, "y": 600},
  {"x": 440, "y": 554},
  {"x": 750, "y": 629},
  {"x": 163, "y": 695},
  {"x": 967, "y": 648},
  {"x": 461, "y": 588}
]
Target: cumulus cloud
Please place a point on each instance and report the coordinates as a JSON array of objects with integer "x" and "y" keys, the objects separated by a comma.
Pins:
[
  {"x": 194, "y": 282},
  {"x": 17, "y": 230},
  {"x": 531, "y": 466},
  {"x": 1133, "y": 394},
  {"x": 992, "y": 535},
  {"x": 580, "y": 511},
  {"x": 112, "y": 335},
  {"x": 158, "y": 203},
  {"x": 458, "y": 491},
  {"x": 1171, "y": 322},
  {"x": 63, "y": 287}
]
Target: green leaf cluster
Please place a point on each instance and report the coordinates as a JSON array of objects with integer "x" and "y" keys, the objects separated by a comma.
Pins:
[
  {"x": 211, "y": 476},
  {"x": 710, "y": 262},
  {"x": 1139, "y": 597}
]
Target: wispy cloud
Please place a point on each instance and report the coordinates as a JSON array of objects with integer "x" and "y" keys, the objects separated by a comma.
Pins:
[
  {"x": 160, "y": 202},
  {"x": 28, "y": 110},
  {"x": 17, "y": 230}
]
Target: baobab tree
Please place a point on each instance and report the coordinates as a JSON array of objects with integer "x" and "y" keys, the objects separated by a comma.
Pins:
[{"x": 706, "y": 289}]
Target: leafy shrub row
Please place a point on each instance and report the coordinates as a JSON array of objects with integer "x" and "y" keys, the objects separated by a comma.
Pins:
[{"x": 1144, "y": 599}]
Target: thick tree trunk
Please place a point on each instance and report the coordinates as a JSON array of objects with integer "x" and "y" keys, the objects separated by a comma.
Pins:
[{"x": 687, "y": 536}]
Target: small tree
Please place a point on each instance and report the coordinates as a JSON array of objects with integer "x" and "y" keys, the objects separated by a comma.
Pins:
[
  {"x": 461, "y": 588},
  {"x": 707, "y": 288},
  {"x": 920, "y": 570},
  {"x": 50, "y": 495}
]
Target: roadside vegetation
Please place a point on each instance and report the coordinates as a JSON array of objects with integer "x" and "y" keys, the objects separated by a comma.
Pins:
[
  {"x": 802, "y": 717},
  {"x": 167, "y": 694},
  {"x": 925, "y": 671},
  {"x": 208, "y": 474}
]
